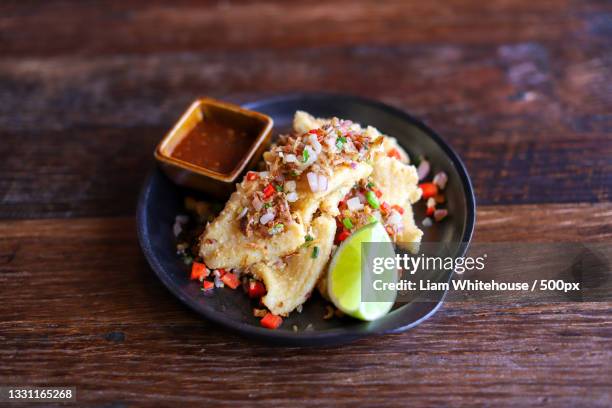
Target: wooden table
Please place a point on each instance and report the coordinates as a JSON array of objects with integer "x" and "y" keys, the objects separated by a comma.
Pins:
[{"x": 522, "y": 89}]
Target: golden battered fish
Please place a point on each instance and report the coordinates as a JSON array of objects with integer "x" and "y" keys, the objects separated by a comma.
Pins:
[
  {"x": 290, "y": 280},
  {"x": 224, "y": 245}
]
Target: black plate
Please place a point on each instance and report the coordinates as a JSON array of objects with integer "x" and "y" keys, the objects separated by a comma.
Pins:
[{"x": 161, "y": 201}]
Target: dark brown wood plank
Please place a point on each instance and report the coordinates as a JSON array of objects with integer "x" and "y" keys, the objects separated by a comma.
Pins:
[
  {"x": 524, "y": 88},
  {"x": 102, "y": 28},
  {"x": 80, "y": 306}
]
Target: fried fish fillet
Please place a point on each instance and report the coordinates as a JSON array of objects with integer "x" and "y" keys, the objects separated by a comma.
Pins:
[
  {"x": 290, "y": 281},
  {"x": 343, "y": 179},
  {"x": 397, "y": 182},
  {"x": 304, "y": 121},
  {"x": 224, "y": 245}
]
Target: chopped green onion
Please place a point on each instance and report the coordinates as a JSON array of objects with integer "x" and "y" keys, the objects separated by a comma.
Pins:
[
  {"x": 315, "y": 252},
  {"x": 294, "y": 173},
  {"x": 347, "y": 223},
  {"x": 267, "y": 205},
  {"x": 308, "y": 238},
  {"x": 372, "y": 219},
  {"x": 340, "y": 142},
  {"x": 279, "y": 188},
  {"x": 305, "y": 155},
  {"x": 370, "y": 184},
  {"x": 372, "y": 200}
]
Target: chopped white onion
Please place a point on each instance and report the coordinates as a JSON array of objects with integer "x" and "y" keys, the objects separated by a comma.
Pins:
[
  {"x": 312, "y": 155},
  {"x": 264, "y": 174},
  {"x": 427, "y": 222},
  {"x": 315, "y": 143},
  {"x": 431, "y": 202},
  {"x": 322, "y": 183},
  {"x": 177, "y": 228},
  {"x": 292, "y": 197},
  {"x": 182, "y": 219},
  {"x": 290, "y": 158},
  {"x": 440, "y": 180},
  {"x": 266, "y": 218},
  {"x": 354, "y": 204},
  {"x": 290, "y": 185},
  {"x": 423, "y": 169},
  {"x": 313, "y": 181},
  {"x": 242, "y": 213},
  {"x": 218, "y": 282},
  {"x": 395, "y": 218}
]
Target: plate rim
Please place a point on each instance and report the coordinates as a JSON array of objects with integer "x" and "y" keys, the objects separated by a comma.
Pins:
[{"x": 335, "y": 335}]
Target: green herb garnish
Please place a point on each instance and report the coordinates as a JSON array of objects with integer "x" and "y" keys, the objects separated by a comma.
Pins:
[
  {"x": 305, "y": 155},
  {"x": 278, "y": 188},
  {"x": 340, "y": 142},
  {"x": 315, "y": 252},
  {"x": 347, "y": 223},
  {"x": 372, "y": 199}
]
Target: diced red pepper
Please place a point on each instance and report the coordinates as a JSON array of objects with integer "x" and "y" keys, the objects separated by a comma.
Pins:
[
  {"x": 268, "y": 191},
  {"x": 256, "y": 289},
  {"x": 207, "y": 285},
  {"x": 221, "y": 272},
  {"x": 230, "y": 280},
  {"x": 394, "y": 153},
  {"x": 430, "y": 211},
  {"x": 270, "y": 321},
  {"x": 251, "y": 175},
  {"x": 377, "y": 192},
  {"x": 313, "y": 131},
  {"x": 385, "y": 207},
  {"x": 344, "y": 234},
  {"x": 198, "y": 271},
  {"x": 398, "y": 209},
  {"x": 429, "y": 189},
  {"x": 389, "y": 231}
]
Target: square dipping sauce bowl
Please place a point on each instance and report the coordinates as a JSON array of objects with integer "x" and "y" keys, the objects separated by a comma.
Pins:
[{"x": 212, "y": 144}]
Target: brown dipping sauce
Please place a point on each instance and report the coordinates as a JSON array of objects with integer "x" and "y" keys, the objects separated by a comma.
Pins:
[{"x": 213, "y": 146}]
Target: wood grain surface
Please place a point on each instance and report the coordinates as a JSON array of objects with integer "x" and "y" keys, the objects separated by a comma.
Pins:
[{"x": 521, "y": 89}]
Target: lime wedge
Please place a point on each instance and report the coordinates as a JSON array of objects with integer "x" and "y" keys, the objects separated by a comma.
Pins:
[{"x": 345, "y": 278}]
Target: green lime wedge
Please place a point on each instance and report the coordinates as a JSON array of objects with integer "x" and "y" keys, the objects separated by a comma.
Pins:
[{"x": 345, "y": 275}]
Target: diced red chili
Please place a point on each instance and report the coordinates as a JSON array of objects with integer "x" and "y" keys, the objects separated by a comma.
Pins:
[
  {"x": 377, "y": 192},
  {"x": 313, "y": 131},
  {"x": 398, "y": 209},
  {"x": 231, "y": 280},
  {"x": 221, "y": 272},
  {"x": 207, "y": 285},
  {"x": 389, "y": 231},
  {"x": 198, "y": 271},
  {"x": 256, "y": 289},
  {"x": 385, "y": 207},
  {"x": 430, "y": 211},
  {"x": 251, "y": 175},
  {"x": 394, "y": 153},
  {"x": 270, "y": 321},
  {"x": 344, "y": 234},
  {"x": 268, "y": 191},
  {"x": 429, "y": 189}
]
